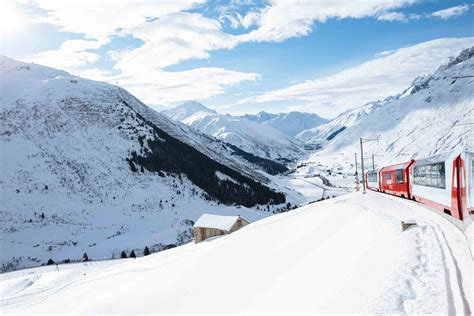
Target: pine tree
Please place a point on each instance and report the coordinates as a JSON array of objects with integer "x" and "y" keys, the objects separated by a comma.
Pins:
[
  {"x": 132, "y": 254},
  {"x": 85, "y": 257},
  {"x": 123, "y": 255},
  {"x": 42, "y": 215},
  {"x": 50, "y": 261},
  {"x": 146, "y": 252}
]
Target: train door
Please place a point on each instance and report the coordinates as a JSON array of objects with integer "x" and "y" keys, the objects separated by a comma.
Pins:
[
  {"x": 468, "y": 164},
  {"x": 459, "y": 187}
]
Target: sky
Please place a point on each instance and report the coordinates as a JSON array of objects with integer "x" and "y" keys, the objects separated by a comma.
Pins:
[{"x": 242, "y": 56}]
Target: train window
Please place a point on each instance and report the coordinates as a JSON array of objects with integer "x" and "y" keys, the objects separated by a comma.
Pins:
[
  {"x": 387, "y": 175},
  {"x": 399, "y": 175},
  {"x": 430, "y": 175},
  {"x": 373, "y": 176}
]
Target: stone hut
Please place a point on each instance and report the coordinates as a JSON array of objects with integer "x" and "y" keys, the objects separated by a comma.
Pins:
[{"x": 210, "y": 225}]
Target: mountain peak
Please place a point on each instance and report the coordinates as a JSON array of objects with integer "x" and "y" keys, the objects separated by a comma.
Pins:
[
  {"x": 194, "y": 106},
  {"x": 187, "y": 109},
  {"x": 10, "y": 65},
  {"x": 423, "y": 82}
]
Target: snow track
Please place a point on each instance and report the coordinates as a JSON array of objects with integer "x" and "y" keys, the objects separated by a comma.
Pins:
[{"x": 422, "y": 276}]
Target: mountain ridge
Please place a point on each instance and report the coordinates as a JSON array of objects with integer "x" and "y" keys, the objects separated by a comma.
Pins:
[
  {"x": 290, "y": 123},
  {"x": 428, "y": 118},
  {"x": 253, "y": 137},
  {"x": 86, "y": 168}
]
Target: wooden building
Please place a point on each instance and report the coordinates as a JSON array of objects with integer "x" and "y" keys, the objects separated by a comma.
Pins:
[{"x": 209, "y": 225}]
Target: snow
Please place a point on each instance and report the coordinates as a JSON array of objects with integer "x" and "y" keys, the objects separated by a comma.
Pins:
[
  {"x": 216, "y": 221},
  {"x": 432, "y": 118},
  {"x": 290, "y": 123},
  {"x": 322, "y": 133},
  {"x": 224, "y": 177},
  {"x": 251, "y": 136},
  {"x": 63, "y": 145},
  {"x": 343, "y": 255},
  {"x": 187, "y": 109}
]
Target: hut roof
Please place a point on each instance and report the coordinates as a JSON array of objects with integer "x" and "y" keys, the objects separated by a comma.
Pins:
[{"x": 216, "y": 221}]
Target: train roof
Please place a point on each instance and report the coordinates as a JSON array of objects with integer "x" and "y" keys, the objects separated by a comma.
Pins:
[
  {"x": 372, "y": 170},
  {"x": 398, "y": 166},
  {"x": 437, "y": 158}
]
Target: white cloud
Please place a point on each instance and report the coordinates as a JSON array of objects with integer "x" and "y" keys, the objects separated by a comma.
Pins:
[
  {"x": 285, "y": 19},
  {"x": 169, "y": 40},
  {"x": 393, "y": 16},
  {"x": 451, "y": 12},
  {"x": 174, "y": 38},
  {"x": 232, "y": 18},
  {"x": 174, "y": 35},
  {"x": 105, "y": 18},
  {"x": 162, "y": 87},
  {"x": 169, "y": 35},
  {"x": 100, "y": 21},
  {"x": 372, "y": 80},
  {"x": 384, "y": 53},
  {"x": 72, "y": 55},
  {"x": 250, "y": 19},
  {"x": 398, "y": 16}
]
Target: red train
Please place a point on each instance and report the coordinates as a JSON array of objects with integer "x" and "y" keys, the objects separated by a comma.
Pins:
[{"x": 444, "y": 182}]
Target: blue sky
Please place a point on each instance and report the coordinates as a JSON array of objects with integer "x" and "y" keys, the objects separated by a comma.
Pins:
[{"x": 243, "y": 56}]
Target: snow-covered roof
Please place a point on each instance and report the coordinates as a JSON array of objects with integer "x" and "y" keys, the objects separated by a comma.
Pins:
[{"x": 216, "y": 221}]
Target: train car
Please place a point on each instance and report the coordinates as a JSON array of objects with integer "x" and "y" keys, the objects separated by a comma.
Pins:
[
  {"x": 445, "y": 182},
  {"x": 373, "y": 180},
  {"x": 395, "y": 179}
]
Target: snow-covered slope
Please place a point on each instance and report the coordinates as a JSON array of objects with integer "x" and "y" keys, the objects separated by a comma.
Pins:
[
  {"x": 290, "y": 123},
  {"x": 105, "y": 170},
  {"x": 434, "y": 115},
  {"x": 344, "y": 255},
  {"x": 253, "y": 137},
  {"x": 325, "y": 132}
]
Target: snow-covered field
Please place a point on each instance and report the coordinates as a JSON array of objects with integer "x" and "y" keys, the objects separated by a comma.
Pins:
[{"x": 343, "y": 255}]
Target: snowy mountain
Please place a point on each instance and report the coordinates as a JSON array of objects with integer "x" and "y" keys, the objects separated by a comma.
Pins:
[
  {"x": 88, "y": 167},
  {"x": 325, "y": 132},
  {"x": 347, "y": 252},
  {"x": 259, "y": 139},
  {"x": 187, "y": 110},
  {"x": 290, "y": 123},
  {"x": 433, "y": 115}
]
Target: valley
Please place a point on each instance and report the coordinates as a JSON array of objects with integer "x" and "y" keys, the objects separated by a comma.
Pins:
[{"x": 88, "y": 168}]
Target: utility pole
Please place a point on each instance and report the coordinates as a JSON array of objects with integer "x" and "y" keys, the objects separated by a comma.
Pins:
[
  {"x": 373, "y": 162},
  {"x": 356, "y": 175},
  {"x": 362, "y": 157},
  {"x": 362, "y": 165}
]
